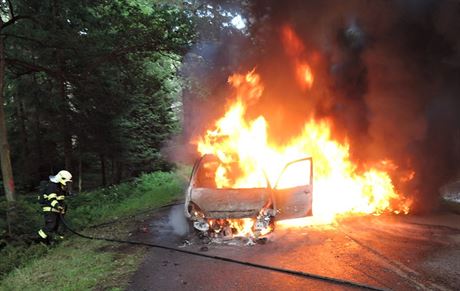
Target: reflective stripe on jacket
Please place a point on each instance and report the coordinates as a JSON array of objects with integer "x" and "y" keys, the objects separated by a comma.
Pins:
[
  {"x": 53, "y": 198},
  {"x": 50, "y": 209}
]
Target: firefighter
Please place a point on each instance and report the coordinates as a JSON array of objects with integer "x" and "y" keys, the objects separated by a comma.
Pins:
[{"x": 52, "y": 202}]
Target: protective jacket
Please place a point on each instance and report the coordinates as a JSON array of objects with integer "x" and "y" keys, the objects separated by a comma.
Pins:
[{"x": 52, "y": 199}]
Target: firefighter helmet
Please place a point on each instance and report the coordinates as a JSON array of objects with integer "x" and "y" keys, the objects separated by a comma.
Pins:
[{"x": 62, "y": 177}]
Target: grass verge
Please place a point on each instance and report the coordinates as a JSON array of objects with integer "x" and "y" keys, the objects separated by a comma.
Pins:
[
  {"x": 148, "y": 191},
  {"x": 79, "y": 264},
  {"x": 76, "y": 264}
]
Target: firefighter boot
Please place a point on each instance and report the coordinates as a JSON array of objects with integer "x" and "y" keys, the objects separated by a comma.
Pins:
[{"x": 43, "y": 237}]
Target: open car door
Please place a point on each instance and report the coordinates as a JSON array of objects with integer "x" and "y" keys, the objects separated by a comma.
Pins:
[
  {"x": 293, "y": 191},
  {"x": 215, "y": 202}
]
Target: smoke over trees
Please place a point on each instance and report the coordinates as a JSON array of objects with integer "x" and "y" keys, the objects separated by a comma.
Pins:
[{"x": 385, "y": 71}]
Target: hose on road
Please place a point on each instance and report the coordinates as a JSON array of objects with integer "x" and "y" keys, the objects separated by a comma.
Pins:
[{"x": 249, "y": 264}]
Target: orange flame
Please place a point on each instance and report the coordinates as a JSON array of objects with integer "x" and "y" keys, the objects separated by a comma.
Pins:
[
  {"x": 339, "y": 187},
  {"x": 296, "y": 50},
  {"x": 242, "y": 227},
  {"x": 305, "y": 75},
  {"x": 292, "y": 43}
]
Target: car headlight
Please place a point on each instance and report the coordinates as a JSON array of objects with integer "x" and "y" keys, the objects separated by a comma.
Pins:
[
  {"x": 201, "y": 225},
  {"x": 195, "y": 211}
]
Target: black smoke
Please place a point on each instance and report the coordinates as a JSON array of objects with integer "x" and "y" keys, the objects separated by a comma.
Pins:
[{"x": 388, "y": 74}]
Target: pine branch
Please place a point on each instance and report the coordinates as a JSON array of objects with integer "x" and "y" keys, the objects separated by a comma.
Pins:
[
  {"x": 16, "y": 18},
  {"x": 24, "y": 38},
  {"x": 30, "y": 67},
  {"x": 10, "y": 6},
  {"x": 121, "y": 52},
  {"x": 42, "y": 44}
]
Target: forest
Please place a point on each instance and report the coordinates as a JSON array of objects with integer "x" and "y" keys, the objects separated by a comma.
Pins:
[
  {"x": 118, "y": 91},
  {"x": 95, "y": 87}
]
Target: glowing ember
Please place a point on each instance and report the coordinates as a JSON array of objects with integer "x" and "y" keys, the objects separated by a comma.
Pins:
[
  {"x": 339, "y": 188},
  {"x": 236, "y": 227}
]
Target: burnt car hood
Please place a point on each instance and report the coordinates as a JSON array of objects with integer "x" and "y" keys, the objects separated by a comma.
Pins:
[{"x": 230, "y": 203}]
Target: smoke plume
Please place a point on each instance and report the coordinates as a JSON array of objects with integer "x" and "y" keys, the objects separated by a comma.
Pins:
[{"x": 387, "y": 73}]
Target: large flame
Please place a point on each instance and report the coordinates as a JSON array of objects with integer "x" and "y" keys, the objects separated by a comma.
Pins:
[{"x": 339, "y": 188}]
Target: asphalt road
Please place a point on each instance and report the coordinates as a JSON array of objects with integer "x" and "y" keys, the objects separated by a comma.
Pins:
[{"x": 386, "y": 252}]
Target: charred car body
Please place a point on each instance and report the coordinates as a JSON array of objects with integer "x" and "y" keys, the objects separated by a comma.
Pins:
[{"x": 218, "y": 211}]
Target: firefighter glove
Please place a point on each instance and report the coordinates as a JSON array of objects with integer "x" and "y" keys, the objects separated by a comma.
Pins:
[{"x": 61, "y": 209}]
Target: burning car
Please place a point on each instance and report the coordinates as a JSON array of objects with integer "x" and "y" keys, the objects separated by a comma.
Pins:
[{"x": 251, "y": 212}]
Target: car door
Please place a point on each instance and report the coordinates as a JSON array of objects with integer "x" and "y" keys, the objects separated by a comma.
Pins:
[
  {"x": 200, "y": 177},
  {"x": 293, "y": 191}
]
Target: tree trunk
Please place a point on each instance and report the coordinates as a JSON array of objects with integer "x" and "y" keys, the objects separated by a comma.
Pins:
[
  {"x": 64, "y": 111},
  {"x": 80, "y": 179},
  {"x": 103, "y": 176},
  {"x": 21, "y": 118},
  {"x": 112, "y": 172},
  {"x": 118, "y": 172},
  {"x": 67, "y": 138},
  {"x": 68, "y": 152},
  {"x": 42, "y": 166},
  {"x": 7, "y": 171}
]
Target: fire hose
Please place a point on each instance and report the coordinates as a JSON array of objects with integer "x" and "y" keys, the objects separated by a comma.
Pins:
[{"x": 244, "y": 263}]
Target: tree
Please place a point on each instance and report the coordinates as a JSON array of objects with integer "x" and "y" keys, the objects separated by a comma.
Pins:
[
  {"x": 79, "y": 72},
  {"x": 7, "y": 18},
  {"x": 152, "y": 119},
  {"x": 215, "y": 55}
]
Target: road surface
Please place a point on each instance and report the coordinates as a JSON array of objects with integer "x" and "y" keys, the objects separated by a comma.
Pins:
[{"x": 385, "y": 252}]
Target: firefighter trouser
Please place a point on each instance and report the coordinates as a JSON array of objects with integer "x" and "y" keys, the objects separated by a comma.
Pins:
[{"x": 51, "y": 227}]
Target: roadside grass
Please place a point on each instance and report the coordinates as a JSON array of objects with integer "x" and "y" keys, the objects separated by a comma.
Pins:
[
  {"x": 76, "y": 264},
  {"x": 146, "y": 192},
  {"x": 79, "y": 264}
]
